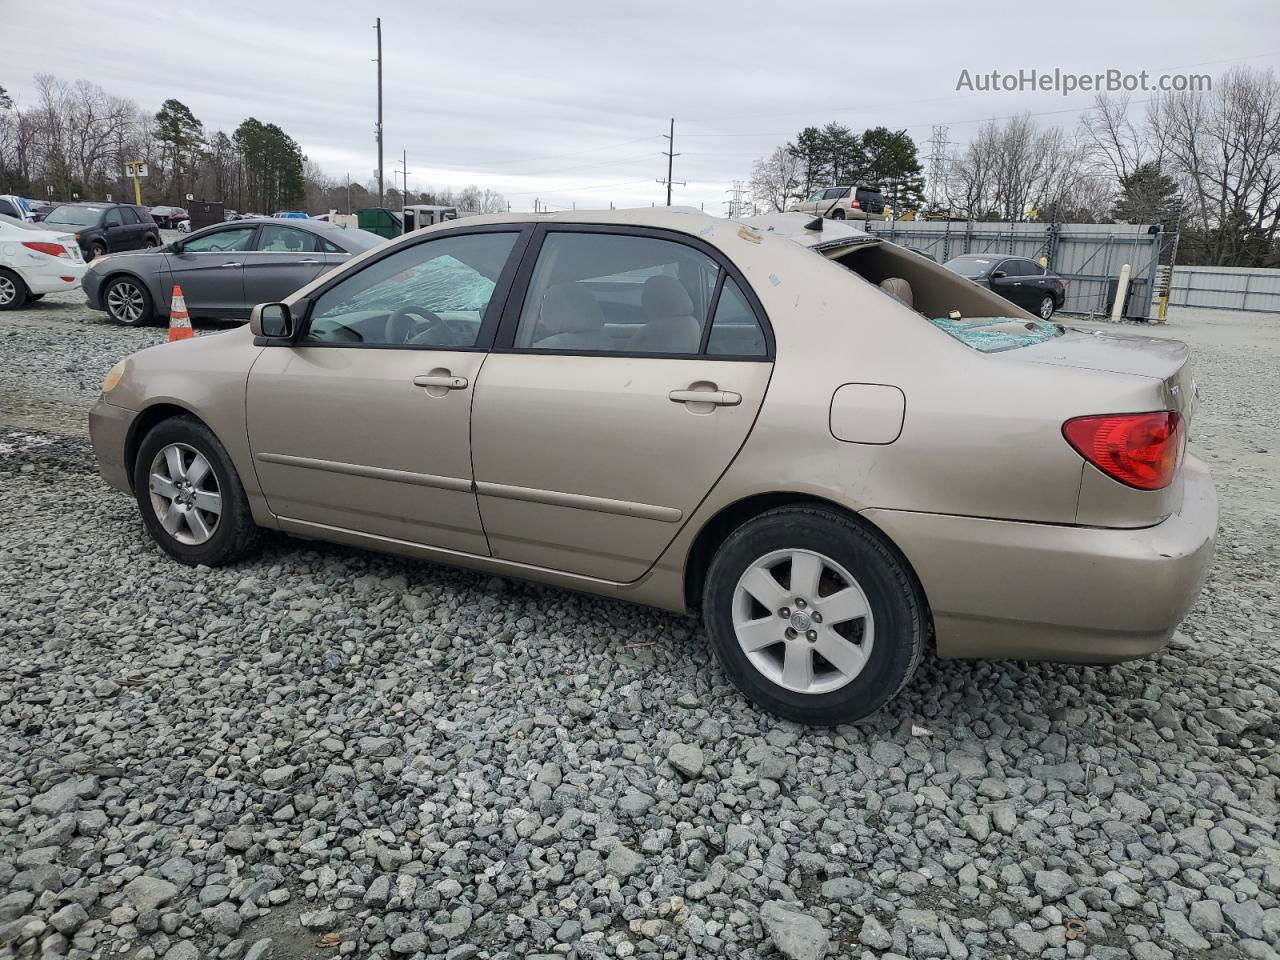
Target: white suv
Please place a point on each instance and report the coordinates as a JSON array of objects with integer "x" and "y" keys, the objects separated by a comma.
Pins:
[{"x": 860, "y": 202}]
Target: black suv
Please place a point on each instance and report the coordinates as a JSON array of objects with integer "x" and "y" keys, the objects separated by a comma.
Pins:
[{"x": 103, "y": 228}]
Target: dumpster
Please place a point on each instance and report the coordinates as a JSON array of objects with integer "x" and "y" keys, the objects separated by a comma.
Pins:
[{"x": 379, "y": 220}]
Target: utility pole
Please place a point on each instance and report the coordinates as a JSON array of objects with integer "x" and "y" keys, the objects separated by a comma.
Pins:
[
  {"x": 670, "y": 155},
  {"x": 348, "y": 194},
  {"x": 378, "y": 26},
  {"x": 404, "y": 176}
]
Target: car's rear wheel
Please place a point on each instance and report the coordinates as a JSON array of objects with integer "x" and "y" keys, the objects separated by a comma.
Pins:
[
  {"x": 837, "y": 214},
  {"x": 152, "y": 242},
  {"x": 97, "y": 250},
  {"x": 13, "y": 292},
  {"x": 191, "y": 498},
  {"x": 128, "y": 302},
  {"x": 1046, "y": 308},
  {"x": 813, "y": 616}
]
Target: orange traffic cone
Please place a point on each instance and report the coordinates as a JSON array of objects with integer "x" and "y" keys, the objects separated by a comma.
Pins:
[{"x": 179, "y": 321}]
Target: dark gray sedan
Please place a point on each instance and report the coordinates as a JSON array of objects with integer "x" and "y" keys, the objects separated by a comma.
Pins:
[{"x": 224, "y": 270}]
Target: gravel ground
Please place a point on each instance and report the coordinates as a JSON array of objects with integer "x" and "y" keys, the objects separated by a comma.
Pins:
[{"x": 330, "y": 752}]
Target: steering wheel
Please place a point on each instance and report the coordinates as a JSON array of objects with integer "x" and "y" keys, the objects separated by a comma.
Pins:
[{"x": 403, "y": 328}]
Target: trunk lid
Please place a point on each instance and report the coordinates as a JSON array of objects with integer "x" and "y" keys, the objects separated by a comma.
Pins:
[{"x": 1153, "y": 357}]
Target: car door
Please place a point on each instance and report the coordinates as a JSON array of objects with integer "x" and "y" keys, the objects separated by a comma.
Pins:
[
  {"x": 1006, "y": 280},
  {"x": 135, "y": 232},
  {"x": 209, "y": 266},
  {"x": 593, "y": 443},
  {"x": 114, "y": 233},
  {"x": 363, "y": 423},
  {"x": 282, "y": 260}
]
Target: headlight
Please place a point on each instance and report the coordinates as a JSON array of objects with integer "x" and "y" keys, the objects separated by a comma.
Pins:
[
  {"x": 113, "y": 377},
  {"x": 95, "y": 261}
]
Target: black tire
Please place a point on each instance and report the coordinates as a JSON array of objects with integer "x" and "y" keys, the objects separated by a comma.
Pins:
[
  {"x": 13, "y": 292},
  {"x": 235, "y": 535},
  {"x": 97, "y": 249},
  {"x": 151, "y": 242},
  {"x": 898, "y": 611},
  {"x": 114, "y": 301},
  {"x": 1047, "y": 307},
  {"x": 837, "y": 214}
]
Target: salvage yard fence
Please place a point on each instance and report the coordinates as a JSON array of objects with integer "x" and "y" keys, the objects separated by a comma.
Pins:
[
  {"x": 1087, "y": 255},
  {"x": 1254, "y": 289}
]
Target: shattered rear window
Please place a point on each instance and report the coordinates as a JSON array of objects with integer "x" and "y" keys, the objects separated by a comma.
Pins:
[{"x": 995, "y": 334}]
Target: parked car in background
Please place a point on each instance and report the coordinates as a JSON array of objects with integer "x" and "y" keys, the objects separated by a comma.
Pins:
[
  {"x": 223, "y": 270},
  {"x": 1017, "y": 279},
  {"x": 853, "y": 202},
  {"x": 41, "y": 208},
  {"x": 168, "y": 217},
  {"x": 34, "y": 261},
  {"x": 102, "y": 228},
  {"x": 16, "y": 207},
  {"x": 619, "y": 402},
  {"x": 289, "y": 215}
]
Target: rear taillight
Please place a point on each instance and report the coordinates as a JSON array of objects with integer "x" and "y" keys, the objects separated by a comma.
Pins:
[
  {"x": 52, "y": 249},
  {"x": 1142, "y": 450},
  {"x": 855, "y": 205}
]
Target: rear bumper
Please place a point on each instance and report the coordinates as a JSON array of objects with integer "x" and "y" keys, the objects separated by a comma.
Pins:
[
  {"x": 109, "y": 430},
  {"x": 1001, "y": 589},
  {"x": 47, "y": 277}
]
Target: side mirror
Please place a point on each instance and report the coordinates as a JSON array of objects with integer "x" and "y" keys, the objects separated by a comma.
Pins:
[
  {"x": 272, "y": 320},
  {"x": 998, "y": 275}
]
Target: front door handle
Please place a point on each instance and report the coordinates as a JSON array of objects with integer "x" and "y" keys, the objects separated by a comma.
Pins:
[
  {"x": 231, "y": 264},
  {"x": 309, "y": 263},
  {"x": 449, "y": 383},
  {"x": 721, "y": 398}
]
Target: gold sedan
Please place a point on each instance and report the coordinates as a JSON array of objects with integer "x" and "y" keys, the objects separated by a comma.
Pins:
[{"x": 836, "y": 449}]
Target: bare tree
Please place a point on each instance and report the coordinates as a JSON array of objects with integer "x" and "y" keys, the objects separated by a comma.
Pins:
[{"x": 776, "y": 179}]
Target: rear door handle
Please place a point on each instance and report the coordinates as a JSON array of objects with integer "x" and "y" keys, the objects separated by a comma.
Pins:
[
  {"x": 309, "y": 263},
  {"x": 721, "y": 398},
  {"x": 231, "y": 264},
  {"x": 449, "y": 383}
]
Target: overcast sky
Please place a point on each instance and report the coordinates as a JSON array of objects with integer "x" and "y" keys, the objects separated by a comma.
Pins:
[{"x": 566, "y": 100}]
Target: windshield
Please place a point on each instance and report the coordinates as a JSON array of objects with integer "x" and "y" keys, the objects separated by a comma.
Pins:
[
  {"x": 969, "y": 266},
  {"x": 75, "y": 216}
]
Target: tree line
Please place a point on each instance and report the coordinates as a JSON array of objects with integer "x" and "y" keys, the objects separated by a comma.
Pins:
[
  {"x": 75, "y": 139},
  {"x": 1207, "y": 162}
]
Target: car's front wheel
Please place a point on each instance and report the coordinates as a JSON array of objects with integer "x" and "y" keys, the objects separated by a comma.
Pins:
[
  {"x": 13, "y": 292},
  {"x": 191, "y": 498},
  {"x": 128, "y": 302},
  {"x": 1046, "y": 308},
  {"x": 97, "y": 250},
  {"x": 813, "y": 616}
]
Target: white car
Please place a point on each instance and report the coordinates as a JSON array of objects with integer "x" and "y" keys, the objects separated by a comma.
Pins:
[{"x": 36, "y": 260}]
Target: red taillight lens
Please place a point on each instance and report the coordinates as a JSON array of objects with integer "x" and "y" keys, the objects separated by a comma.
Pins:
[
  {"x": 1142, "y": 450},
  {"x": 52, "y": 249},
  {"x": 855, "y": 205}
]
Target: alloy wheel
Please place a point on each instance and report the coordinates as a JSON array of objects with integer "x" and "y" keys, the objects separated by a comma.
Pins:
[
  {"x": 8, "y": 291},
  {"x": 803, "y": 621},
  {"x": 125, "y": 302},
  {"x": 184, "y": 494},
  {"x": 1046, "y": 308}
]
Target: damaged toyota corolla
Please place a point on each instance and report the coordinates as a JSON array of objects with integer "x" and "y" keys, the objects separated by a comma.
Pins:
[{"x": 834, "y": 449}]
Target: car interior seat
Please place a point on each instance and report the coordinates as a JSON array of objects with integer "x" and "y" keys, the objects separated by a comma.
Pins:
[
  {"x": 570, "y": 318},
  {"x": 899, "y": 289},
  {"x": 671, "y": 326}
]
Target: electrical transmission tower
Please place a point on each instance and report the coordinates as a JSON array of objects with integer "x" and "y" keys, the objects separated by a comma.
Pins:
[
  {"x": 939, "y": 164},
  {"x": 738, "y": 202}
]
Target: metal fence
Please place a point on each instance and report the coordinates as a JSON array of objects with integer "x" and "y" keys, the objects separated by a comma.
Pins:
[
  {"x": 1087, "y": 255},
  {"x": 1226, "y": 288}
]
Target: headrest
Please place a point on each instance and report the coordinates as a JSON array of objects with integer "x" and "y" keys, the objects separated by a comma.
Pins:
[
  {"x": 569, "y": 308},
  {"x": 664, "y": 296},
  {"x": 899, "y": 288}
]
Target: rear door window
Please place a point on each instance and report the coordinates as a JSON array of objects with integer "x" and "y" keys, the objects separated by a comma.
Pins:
[
  {"x": 616, "y": 293},
  {"x": 735, "y": 329},
  {"x": 276, "y": 239}
]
